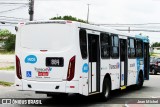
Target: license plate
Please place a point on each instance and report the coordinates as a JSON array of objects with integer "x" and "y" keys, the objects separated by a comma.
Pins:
[{"x": 54, "y": 61}]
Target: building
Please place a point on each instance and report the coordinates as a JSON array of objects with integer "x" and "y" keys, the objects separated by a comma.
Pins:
[{"x": 155, "y": 49}]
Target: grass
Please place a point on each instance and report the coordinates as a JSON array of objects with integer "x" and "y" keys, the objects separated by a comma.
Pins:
[
  {"x": 3, "y": 83},
  {"x": 8, "y": 68},
  {"x": 6, "y": 52},
  {"x": 155, "y": 55}
]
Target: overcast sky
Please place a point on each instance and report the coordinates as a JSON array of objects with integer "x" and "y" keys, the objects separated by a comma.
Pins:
[{"x": 101, "y": 12}]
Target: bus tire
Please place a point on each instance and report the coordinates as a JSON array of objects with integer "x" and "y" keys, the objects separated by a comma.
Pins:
[
  {"x": 140, "y": 81},
  {"x": 154, "y": 71},
  {"x": 106, "y": 89}
]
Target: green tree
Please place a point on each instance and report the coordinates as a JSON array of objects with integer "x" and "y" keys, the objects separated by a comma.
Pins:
[
  {"x": 68, "y": 18},
  {"x": 156, "y": 44},
  {"x": 9, "y": 40},
  {"x": 4, "y": 34}
]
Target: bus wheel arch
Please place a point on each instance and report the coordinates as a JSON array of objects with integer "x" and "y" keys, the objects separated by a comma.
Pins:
[{"x": 106, "y": 87}]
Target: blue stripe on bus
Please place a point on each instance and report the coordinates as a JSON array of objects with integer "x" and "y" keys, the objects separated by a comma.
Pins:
[{"x": 138, "y": 67}]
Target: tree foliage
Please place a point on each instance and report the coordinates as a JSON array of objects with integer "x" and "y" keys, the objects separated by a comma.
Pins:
[
  {"x": 156, "y": 44},
  {"x": 68, "y": 18},
  {"x": 9, "y": 40},
  {"x": 4, "y": 34}
]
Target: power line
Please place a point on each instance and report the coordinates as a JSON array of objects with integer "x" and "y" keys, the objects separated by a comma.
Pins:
[
  {"x": 7, "y": 25},
  {"x": 8, "y": 22},
  {"x": 14, "y": 0},
  {"x": 13, "y": 9},
  {"x": 145, "y": 27},
  {"x": 11, "y": 20},
  {"x": 112, "y": 24},
  {"x": 13, "y": 17},
  {"x": 144, "y": 30},
  {"x": 4, "y": 3}
]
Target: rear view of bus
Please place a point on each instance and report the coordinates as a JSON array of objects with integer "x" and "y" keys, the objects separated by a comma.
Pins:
[{"x": 46, "y": 57}]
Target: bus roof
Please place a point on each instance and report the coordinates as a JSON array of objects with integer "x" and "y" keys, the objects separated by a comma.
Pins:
[
  {"x": 144, "y": 38},
  {"x": 81, "y": 25}
]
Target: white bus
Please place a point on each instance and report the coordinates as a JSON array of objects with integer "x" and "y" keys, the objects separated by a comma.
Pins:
[{"x": 63, "y": 57}]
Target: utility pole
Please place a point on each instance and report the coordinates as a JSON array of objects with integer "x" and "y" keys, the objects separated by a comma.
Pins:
[
  {"x": 31, "y": 9},
  {"x": 88, "y": 13}
]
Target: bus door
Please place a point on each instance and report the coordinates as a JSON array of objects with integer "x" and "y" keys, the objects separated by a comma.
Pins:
[
  {"x": 94, "y": 63},
  {"x": 123, "y": 61},
  {"x": 146, "y": 61}
]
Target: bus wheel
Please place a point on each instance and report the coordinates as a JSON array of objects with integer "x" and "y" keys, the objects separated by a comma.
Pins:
[
  {"x": 106, "y": 89},
  {"x": 154, "y": 72},
  {"x": 140, "y": 81}
]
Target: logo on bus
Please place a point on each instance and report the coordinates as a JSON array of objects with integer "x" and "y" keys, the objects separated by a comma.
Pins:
[
  {"x": 48, "y": 69},
  {"x": 31, "y": 59},
  {"x": 132, "y": 65},
  {"x": 28, "y": 74},
  {"x": 85, "y": 68},
  {"x": 43, "y": 71},
  {"x": 114, "y": 66}
]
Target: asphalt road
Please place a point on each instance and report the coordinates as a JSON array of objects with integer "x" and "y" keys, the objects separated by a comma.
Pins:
[{"x": 151, "y": 89}]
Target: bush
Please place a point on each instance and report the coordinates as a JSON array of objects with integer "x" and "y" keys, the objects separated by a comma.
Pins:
[
  {"x": 9, "y": 40},
  {"x": 9, "y": 44}
]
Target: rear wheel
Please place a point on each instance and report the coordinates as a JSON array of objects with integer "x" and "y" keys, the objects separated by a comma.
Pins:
[
  {"x": 154, "y": 71},
  {"x": 140, "y": 81},
  {"x": 106, "y": 89}
]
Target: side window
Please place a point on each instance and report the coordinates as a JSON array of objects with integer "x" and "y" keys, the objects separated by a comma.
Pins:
[
  {"x": 83, "y": 43},
  {"x": 105, "y": 45},
  {"x": 115, "y": 46},
  {"x": 139, "y": 50},
  {"x": 131, "y": 48}
]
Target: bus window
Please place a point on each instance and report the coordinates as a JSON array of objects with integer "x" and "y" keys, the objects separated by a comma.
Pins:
[
  {"x": 115, "y": 46},
  {"x": 105, "y": 45},
  {"x": 131, "y": 48},
  {"x": 83, "y": 43},
  {"x": 139, "y": 51}
]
